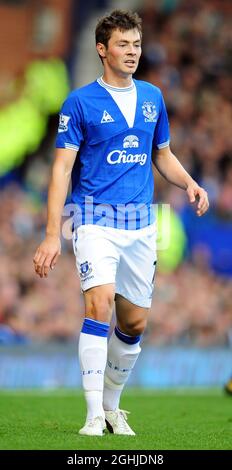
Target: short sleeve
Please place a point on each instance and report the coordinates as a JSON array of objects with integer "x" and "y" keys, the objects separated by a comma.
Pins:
[
  {"x": 70, "y": 129},
  {"x": 161, "y": 135}
]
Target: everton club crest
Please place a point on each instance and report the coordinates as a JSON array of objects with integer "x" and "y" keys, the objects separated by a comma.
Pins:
[
  {"x": 85, "y": 269},
  {"x": 149, "y": 111}
]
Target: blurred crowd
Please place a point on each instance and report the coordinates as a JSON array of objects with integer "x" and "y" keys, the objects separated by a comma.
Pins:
[
  {"x": 31, "y": 307},
  {"x": 187, "y": 51}
]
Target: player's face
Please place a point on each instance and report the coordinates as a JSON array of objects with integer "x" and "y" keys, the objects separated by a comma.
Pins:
[{"x": 123, "y": 52}]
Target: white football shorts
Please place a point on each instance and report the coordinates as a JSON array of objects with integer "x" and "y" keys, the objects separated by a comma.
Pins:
[{"x": 126, "y": 258}]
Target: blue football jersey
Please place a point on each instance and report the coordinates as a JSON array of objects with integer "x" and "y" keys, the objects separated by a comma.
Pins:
[{"x": 112, "y": 179}]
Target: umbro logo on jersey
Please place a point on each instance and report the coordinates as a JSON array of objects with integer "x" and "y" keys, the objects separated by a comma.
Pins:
[{"x": 106, "y": 117}]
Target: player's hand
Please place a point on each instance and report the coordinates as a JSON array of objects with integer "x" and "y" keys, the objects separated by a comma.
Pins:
[
  {"x": 198, "y": 195},
  {"x": 46, "y": 255}
]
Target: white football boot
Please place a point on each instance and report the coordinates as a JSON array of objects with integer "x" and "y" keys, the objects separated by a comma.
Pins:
[
  {"x": 116, "y": 422},
  {"x": 93, "y": 427}
]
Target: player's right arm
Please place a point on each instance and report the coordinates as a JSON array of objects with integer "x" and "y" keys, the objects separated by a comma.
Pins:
[{"x": 49, "y": 250}]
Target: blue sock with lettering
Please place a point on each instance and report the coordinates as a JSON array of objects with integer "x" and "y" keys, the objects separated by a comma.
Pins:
[
  {"x": 92, "y": 359},
  {"x": 123, "y": 352}
]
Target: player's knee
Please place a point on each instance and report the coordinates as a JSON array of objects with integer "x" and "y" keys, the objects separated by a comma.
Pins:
[
  {"x": 135, "y": 328},
  {"x": 101, "y": 306}
]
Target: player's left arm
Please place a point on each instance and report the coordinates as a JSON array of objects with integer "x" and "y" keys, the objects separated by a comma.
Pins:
[{"x": 171, "y": 169}]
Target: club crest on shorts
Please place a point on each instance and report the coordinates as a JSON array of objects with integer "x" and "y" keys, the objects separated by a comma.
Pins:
[
  {"x": 85, "y": 269},
  {"x": 149, "y": 111}
]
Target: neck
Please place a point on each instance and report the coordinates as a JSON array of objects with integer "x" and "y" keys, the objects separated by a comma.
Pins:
[{"x": 117, "y": 81}]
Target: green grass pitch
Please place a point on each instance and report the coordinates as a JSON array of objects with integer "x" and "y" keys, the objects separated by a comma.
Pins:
[{"x": 173, "y": 419}]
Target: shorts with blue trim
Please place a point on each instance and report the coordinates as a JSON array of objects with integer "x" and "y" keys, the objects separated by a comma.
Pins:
[{"x": 125, "y": 258}]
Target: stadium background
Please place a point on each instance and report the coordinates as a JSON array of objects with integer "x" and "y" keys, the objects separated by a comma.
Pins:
[{"x": 47, "y": 48}]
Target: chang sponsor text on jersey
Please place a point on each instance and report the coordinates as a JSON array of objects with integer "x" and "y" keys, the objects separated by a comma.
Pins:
[{"x": 121, "y": 156}]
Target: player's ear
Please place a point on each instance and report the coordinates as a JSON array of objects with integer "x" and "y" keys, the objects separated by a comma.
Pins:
[{"x": 101, "y": 49}]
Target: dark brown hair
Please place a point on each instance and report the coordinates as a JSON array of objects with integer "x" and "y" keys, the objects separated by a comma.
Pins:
[{"x": 118, "y": 19}]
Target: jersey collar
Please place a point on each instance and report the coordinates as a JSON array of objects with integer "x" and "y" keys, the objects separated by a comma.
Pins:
[{"x": 114, "y": 88}]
